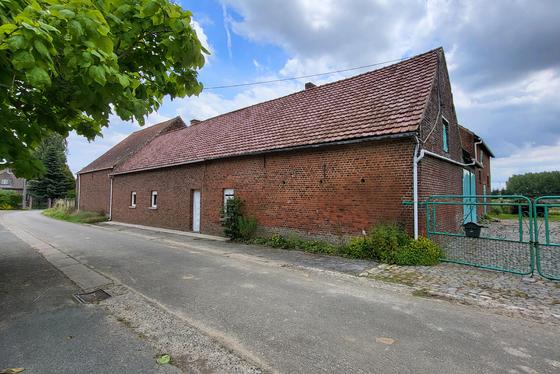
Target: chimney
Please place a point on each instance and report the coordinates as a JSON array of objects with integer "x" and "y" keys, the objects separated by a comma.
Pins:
[
  {"x": 309, "y": 85},
  {"x": 194, "y": 122}
]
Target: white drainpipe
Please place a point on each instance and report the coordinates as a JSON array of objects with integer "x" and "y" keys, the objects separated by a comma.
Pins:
[
  {"x": 111, "y": 199},
  {"x": 417, "y": 158},
  {"x": 79, "y": 189}
]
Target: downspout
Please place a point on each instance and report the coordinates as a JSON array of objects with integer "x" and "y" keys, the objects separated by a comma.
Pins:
[
  {"x": 415, "y": 161},
  {"x": 417, "y": 158},
  {"x": 111, "y": 199},
  {"x": 79, "y": 189},
  {"x": 476, "y": 152}
]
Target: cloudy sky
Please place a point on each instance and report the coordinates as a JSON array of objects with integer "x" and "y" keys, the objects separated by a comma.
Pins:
[{"x": 503, "y": 57}]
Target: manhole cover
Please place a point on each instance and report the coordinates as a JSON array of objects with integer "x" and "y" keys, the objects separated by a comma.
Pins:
[{"x": 91, "y": 297}]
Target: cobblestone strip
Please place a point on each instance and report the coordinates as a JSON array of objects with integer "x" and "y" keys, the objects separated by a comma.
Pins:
[{"x": 529, "y": 297}]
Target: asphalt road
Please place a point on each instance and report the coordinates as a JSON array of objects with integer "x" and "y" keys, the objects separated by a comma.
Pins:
[
  {"x": 44, "y": 331},
  {"x": 291, "y": 320}
]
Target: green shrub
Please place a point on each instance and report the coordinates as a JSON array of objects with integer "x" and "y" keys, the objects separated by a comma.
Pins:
[
  {"x": 9, "y": 200},
  {"x": 386, "y": 241},
  {"x": 496, "y": 210},
  {"x": 230, "y": 217},
  {"x": 317, "y": 246},
  {"x": 278, "y": 241},
  {"x": 236, "y": 225},
  {"x": 419, "y": 252},
  {"x": 247, "y": 227},
  {"x": 358, "y": 247}
]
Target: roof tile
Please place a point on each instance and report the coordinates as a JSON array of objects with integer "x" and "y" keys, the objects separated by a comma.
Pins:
[{"x": 390, "y": 100}]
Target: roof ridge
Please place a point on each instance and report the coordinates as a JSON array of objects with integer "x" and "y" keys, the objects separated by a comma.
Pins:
[
  {"x": 131, "y": 152},
  {"x": 157, "y": 124},
  {"x": 387, "y": 101},
  {"x": 324, "y": 85}
]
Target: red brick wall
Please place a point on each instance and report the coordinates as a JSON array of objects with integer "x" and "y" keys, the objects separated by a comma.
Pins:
[
  {"x": 94, "y": 191},
  {"x": 328, "y": 191},
  {"x": 438, "y": 177}
]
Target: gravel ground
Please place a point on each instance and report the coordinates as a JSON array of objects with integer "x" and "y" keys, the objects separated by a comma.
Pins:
[
  {"x": 509, "y": 229},
  {"x": 190, "y": 350},
  {"x": 533, "y": 298}
]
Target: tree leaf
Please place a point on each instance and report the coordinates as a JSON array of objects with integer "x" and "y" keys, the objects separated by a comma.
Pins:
[
  {"x": 75, "y": 29},
  {"x": 42, "y": 49},
  {"x": 97, "y": 73},
  {"x": 23, "y": 60},
  {"x": 16, "y": 42},
  {"x": 123, "y": 80},
  {"x": 7, "y": 28},
  {"x": 38, "y": 77},
  {"x": 150, "y": 8}
]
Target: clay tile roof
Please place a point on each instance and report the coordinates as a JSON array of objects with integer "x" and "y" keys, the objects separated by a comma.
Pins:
[
  {"x": 131, "y": 144},
  {"x": 387, "y": 101}
]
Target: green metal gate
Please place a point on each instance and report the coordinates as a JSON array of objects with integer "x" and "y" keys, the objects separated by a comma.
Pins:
[
  {"x": 503, "y": 245},
  {"x": 546, "y": 212}
]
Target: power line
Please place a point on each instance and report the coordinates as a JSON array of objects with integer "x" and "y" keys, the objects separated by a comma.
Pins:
[{"x": 303, "y": 76}]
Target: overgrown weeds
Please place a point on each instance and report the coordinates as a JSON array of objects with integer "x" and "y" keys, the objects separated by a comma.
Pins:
[
  {"x": 74, "y": 216},
  {"x": 384, "y": 243}
]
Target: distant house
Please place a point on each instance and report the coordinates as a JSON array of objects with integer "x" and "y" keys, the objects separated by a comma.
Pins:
[
  {"x": 9, "y": 182},
  {"x": 326, "y": 161}
]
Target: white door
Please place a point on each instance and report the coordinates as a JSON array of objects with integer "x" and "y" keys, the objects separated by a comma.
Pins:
[{"x": 196, "y": 211}]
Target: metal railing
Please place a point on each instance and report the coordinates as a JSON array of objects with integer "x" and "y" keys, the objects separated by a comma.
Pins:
[
  {"x": 464, "y": 228},
  {"x": 547, "y": 236}
]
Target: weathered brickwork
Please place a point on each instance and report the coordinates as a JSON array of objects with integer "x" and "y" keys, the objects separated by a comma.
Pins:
[
  {"x": 328, "y": 191},
  {"x": 94, "y": 191},
  {"x": 333, "y": 190},
  {"x": 439, "y": 177}
]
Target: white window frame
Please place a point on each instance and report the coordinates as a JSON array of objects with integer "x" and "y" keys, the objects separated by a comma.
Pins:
[
  {"x": 445, "y": 134},
  {"x": 153, "y": 202},
  {"x": 481, "y": 156},
  {"x": 7, "y": 182},
  {"x": 133, "y": 200},
  {"x": 229, "y": 193}
]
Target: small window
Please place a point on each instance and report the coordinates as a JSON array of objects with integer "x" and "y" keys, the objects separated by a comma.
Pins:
[
  {"x": 5, "y": 182},
  {"x": 229, "y": 193},
  {"x": 154, "y": 200},
  {"x": 445, "y": 132},
  {"x": 133, "y": 199},
  {"x": 481, "y": 160}
]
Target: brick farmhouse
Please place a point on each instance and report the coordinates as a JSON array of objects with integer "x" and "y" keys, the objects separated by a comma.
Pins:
[{"x": 327, "y": 161}]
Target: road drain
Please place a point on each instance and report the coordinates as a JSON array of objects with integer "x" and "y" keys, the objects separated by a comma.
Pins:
[{"x": 91, "y": 297}]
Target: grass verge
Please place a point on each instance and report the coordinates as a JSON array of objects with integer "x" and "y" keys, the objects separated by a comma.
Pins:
[{"x": 76, "y": 217}]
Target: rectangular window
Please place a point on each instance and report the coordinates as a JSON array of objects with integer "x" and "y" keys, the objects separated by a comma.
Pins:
[
  {"x": 229, "y": 193},
  {"x": 481, "y": 160},
  {"x": 154, "y": 200},
  {"x": 5, "y": 182},
  {"x": 133, "y": 199},
  {"x": 445, "y": 132}
]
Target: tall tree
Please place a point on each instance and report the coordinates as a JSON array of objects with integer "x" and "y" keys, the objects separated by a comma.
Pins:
[
  {"x": 534, "y": 184},
  {"x": 57, "y": 181},
  {"x": 67, "y": 65}
]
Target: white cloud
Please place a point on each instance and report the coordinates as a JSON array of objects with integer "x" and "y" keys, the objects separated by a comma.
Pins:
[
  {"x": 81, "y": 152},
  {"x": 227, "y": 23},
  {"x": 209, "y": 104},
  {"x": 529, "y": 158},
  {"x": 538, "y": 87},
  {"x": 203, "y": 39}
]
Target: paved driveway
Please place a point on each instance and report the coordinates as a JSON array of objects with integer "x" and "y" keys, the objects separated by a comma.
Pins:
[{"x": 293, "y": 320}]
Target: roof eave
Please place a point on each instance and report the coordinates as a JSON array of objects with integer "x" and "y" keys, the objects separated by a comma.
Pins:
[{"x": 276, "y": 150}]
